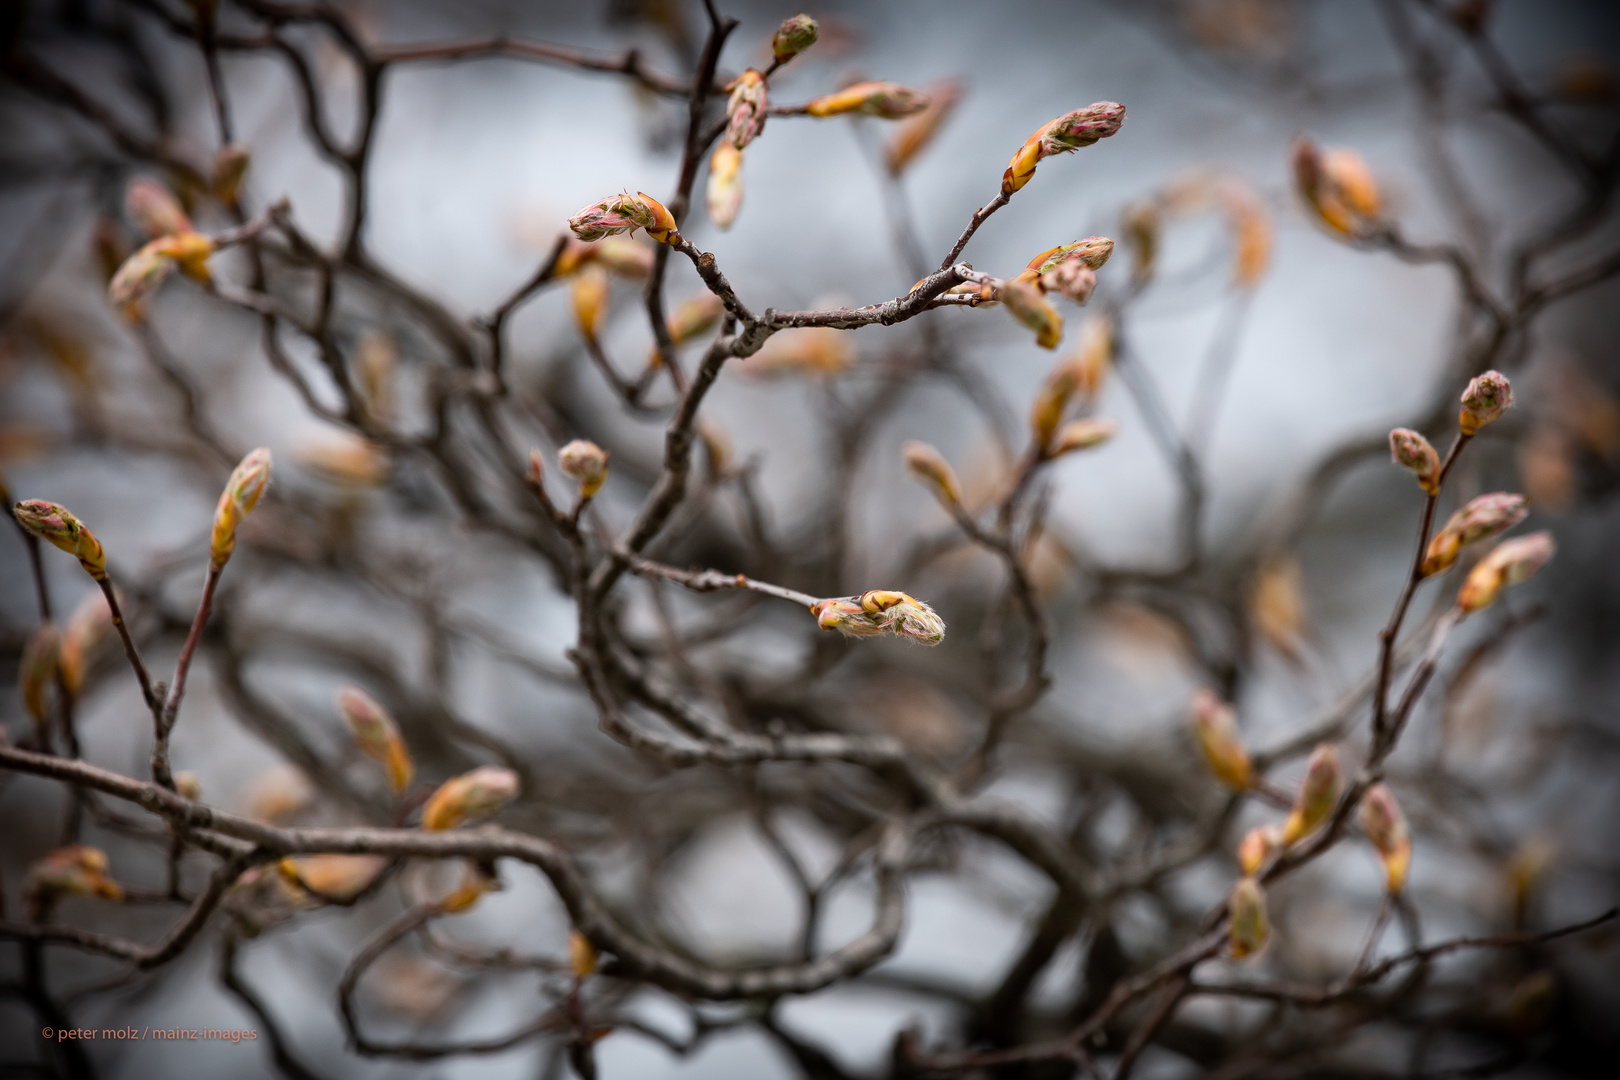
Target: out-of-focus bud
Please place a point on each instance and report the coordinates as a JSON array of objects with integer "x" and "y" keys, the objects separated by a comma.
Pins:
[
  {"x": 476, "y": 880},
  {"x": 1026, "y": 304},
  {"x": 1082, "y": 434},
  {"x": 376, "y": 358},
  {"x": 886, "y": 100},
  {"x": 230, "y": 165},
  {"x": 1481, "y": 519},
  {"x": 1051, "y": 402},
  {"x": 1411, "y": 451},
  {"x": 745, "y": 109},
  {"x": 1214, "y": 722},
  {"x": 1259, "y": 844},
  {"x": 1141, "y": 226},
  {"x": 914, "y": 135},
  {"x": 625, "y": 213},
  {"x": 1531, "y": 1004},
  {"x": 240, "y": 496},
  {"x": 1249, "y": 926},
  {"x": 1524, "y": 871},
  {"x": 584, "y": 461},
  {"x": 346, "y": 459},
  {"x": 622, "y": 256},
  {"x": 187, "y": 786},
  {"x": 930, "y": 467},
  {"x": 818, "y": 351},
  {"x": 154, "y": 209},
  {"x": 1251, "y": 232},
  {"x": 695, "y": 317},
  {"x": 377, "y": 735},
  {"x": 138, "y": 279},
  {"x": 1071, "y": 131},
  {"x": 472, "y": 796},
  {"x": 190, "y": 252},
  {"x": 590, "y": 295},
  {"x": 1508, "y": 563},
  {"x": 1072, "y": 279},
  {"x": 1277, "y": 605},
  {"x": 335, "y": 877},
  {"x": 278, "y": 794},
  {"x": 48, "y": 521},
  {"x": 795, "y": 35},
  {"x": 1338, "y": 186},
  {"x": 1094, "y": 354},
  {"x": 1385, "y": 826},
  {"x": 724, "y": 193},
  {"x": 76, "y": 870},
  {"x": 581, "y": 955},
  {"x": 1318, "y": 795},
  {"x": 881, "y": 612},
  {"x": 86, "y": 629},
  {"x": 575, "y": 253},
  {"x": 38, "y": 670},
  {"x": 1486, "y": 398}
]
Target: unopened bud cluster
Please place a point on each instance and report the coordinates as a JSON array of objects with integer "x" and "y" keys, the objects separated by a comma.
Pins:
[{"x": 880, "y": 612}]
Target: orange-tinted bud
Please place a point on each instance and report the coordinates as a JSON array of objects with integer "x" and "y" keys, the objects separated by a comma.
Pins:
[
  {"x": 86, "y": 628},
  {"x": 724, "y": 193},
  {"x": 1509, "y": 563},
  {"x": 1071, "y": 131},
  {"x": 585, "y": 462},
  {"x": 625, "y": 213},
  {"x": 1215, "y": 724},
  {"x": 622, "y": 256},
  {"x": 475, "y": 882},
  {"x": 1082, "y": 435},
  {"x": 230, "y": 165},
  {"x": 187, "y": 786},
  {"x": 1026, "y": 304},
  {"x": 1481, "y": 519},
  {"x": 55, "y": 523},
  {"x": 914, "y": 135},
  {"x": 930, "y": 467},
  {"x": 190, "y": 252},
  {"x": 1338, "y": 186},
  {"x": 1385, "y": 826},
  {"x": 1411, "y": 451},
  {"x": 1259, "y": 845},
  {"x": 695, "y": 317},
  {"x": 377, "y": 735},
  {"x": 590, "y": 296},
  {"x": 1249, "y": 928},
  {"x": 818, "y": 351},
  {"x": 472, "y": 796},
  {"x": 1141, "y": 225},
  {"x": 154, "y": 209},
  {"x": 346, "y": 459},
  {"x": 241, "y": 495},
  {"x": 76, "y": 870},
  {"x": 38, "y": 669},
  {"x": 138, "y": 279},
  {"x": 887, "y": 100},
  {"x": 582, "y": 958},
  {"x": 340, "y": 877},
  {"x": 1485, "y": 399},
  {"x": 881, "y": 612},
  {"x": 1318, "y": 795}
]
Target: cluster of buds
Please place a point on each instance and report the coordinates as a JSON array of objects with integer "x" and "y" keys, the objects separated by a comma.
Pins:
[
  {"x": 1508, "y": 563},
  {"x": 880, "y": 612},
  {"x": 173, "y": 243},
  {"x": 1411, "y": 451},
  {"x": 796, "y": 34},
  {"x": 229, "y": 167},
  {"x": 377, "y": 736},
  {"x": 241, "y": 495},
  {"x": 1318, "y": 794},
  {"x": 1071, "y": 131},
  {"x": 1214, "y": 723},
  {"x": 1385, "y": 826},
  {"x": 1070, "y": 269},
  {"x": 585, "y": 462},
  {"x": 1259, "y": 845},
  {"x": 914, "y": 135},
  {"x": 885, "y": 100},
  {"x": 1338, "y": 187},
  {"x": 929, "y": 467},
  {"x": 472, "y": 796},
  {"x": 625, "y": 213},
  {"x": 76, "y": 870},
  {"x": 48, "y": 521},
  {"x": 1248, "y": 929},
  {"x": 334, "y": 877},
  {"x": 1481, "y": 519},
  {"x": 40, "y": 659},
  {"x": 1486, "y": 398}
]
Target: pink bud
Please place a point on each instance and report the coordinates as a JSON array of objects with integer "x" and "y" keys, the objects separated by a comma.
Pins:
[
  {"x": 1509, "y": 563},
  {"x": 1385, "y": 826},
  {"x": 154, "y": 209},
  {"x": 1412, "y": 451},
  {"x": 745, "y": 110},
  {"x": 1487, "y": 397},
  {"x": 1215, "y": 724}
]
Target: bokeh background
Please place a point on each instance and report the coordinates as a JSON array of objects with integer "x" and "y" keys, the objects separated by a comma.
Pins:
[{"x": 478, "y": 164}]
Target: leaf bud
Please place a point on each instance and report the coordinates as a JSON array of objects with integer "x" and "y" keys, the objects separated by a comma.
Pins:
[
  {"x": 1411, "y": 451},
  {"x": 625, "y": 213},
  {"x": 1069, "y": 132},
  {"x": 1509, "y": 563},
  {"x": 472, "y": 796},
  {"x": 1485, "y": 399},
  {"x": 582, "y": 958},
  {"x": 1026, "y": 304},
  {"x": 589, "y": 294},
  {"x": 48, "y": 521},
  {"x": 1481, "y": 519},
  {"x": 695, "y": 317},
  {"x": 1385, "y": 825},
  {"x": 584, "y": 461},
  {"x": 377, "y": 736},
  {"x": 230, "y": 165},
  {"x": 37, "y": 670},
  {"x": 1214, "y": 722},
  {"x": 745, "y": 109},
  {"x": 1318, "y": 795},
  {"x": 1259, "y": 844},
  {"x": 724, "y": 192},
  {"x": 914, "y": 135},
  {"x": 247, "y": 482},
  {"x": 929, "y": 467},
  {"x": 795, "y": 35},
  {"x": 1337, "y": 185},
  {"x": 154, "y": 209},
  {"x": 886, "y": 100},
  {"x": 86, "y": 628},
  {"x": 1082, "y": 434},
  {"x": 1249, "y": 927}
]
